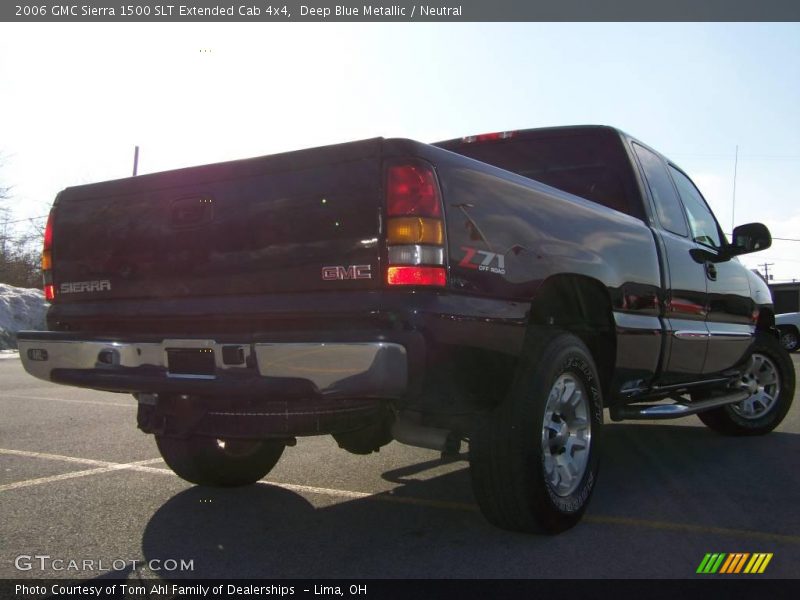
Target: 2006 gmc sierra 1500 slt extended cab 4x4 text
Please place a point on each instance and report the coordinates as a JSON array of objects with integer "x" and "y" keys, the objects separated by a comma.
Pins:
[{"x": 500, "y": 289}]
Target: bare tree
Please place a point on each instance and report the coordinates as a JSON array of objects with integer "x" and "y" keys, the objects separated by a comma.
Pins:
[
  {"x": 5, "y": 219},
  {"x": 19, "y": 252},
  {"x": 5, "y": 216}
]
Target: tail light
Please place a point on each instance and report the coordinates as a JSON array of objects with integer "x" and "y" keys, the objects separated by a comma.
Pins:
[
  {"x": 47, "y": 260},
  {"x": 415, "y": 230},
  {"x": 412, "y": 190},
  {"x": 396, "y": 275},
  {"x": 414, "y": 227}
]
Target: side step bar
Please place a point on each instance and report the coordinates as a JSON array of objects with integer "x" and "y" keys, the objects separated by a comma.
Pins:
[{"x": 680, "y": 408}]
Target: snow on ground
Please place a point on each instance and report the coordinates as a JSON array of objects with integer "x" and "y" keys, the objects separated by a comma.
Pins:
[{"x": 20, "y": 309}]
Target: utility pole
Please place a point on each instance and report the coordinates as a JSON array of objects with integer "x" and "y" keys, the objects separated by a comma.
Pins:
[
  {"x": 766, "y": 266},
  {"x": 733, "y": 207},
  {"x": 136, "y": 160}
]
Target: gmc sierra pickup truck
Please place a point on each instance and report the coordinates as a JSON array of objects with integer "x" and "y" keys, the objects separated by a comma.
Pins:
[{"x": 504, "y": 290}]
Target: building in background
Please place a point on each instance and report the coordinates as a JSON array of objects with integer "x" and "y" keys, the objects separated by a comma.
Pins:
[{"x": 786, "y": 297}]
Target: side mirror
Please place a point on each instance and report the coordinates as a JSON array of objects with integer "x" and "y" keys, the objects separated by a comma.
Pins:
[{"x": 751, "y": 237}]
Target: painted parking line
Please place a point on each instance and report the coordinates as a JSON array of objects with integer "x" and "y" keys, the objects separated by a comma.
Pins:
[
  {"x": 390, "y": 496},
  {"x": 380, "y": 496},
  {"x": 763, "y": 536},
  {"x": 67, "y": 400},
  {"x": 74, "y": 474},
  {"x": 596, "y": 519},
  {"x": 61, "y": 457}
]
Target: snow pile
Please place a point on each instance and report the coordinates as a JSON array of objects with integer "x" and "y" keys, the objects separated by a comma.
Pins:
[{"x": 20, "y": 309}]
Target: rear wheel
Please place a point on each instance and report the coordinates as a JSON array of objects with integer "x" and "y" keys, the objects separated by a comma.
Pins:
[
  {"x": 770, "y": 377},
  {"x": 219, "y": 463},
  {"x": 534, "y": 459}
]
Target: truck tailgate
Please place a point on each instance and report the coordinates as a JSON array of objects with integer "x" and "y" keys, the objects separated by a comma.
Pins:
[{"x": 294, "y": 222}]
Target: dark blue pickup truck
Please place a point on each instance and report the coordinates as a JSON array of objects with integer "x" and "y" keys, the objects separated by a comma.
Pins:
[{"x": 501, "y": 289}]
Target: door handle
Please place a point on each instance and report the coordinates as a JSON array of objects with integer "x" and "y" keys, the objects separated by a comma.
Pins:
[{"x": 711, "y": 270}]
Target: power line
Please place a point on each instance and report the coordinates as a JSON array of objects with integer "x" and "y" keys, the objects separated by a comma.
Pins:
[
  {"x": 23, "y": 220},
  {"x": 742, "y": 156},
  {"x": 782, "y": 239}
]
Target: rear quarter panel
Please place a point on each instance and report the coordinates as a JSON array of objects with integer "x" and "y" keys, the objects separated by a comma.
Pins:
[{"x": 507, "y": 235}]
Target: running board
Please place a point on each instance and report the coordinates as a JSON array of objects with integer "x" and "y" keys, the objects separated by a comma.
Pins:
[{"x": 675, "y": 410}]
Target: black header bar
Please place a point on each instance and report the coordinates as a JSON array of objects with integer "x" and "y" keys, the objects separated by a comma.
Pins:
[
  {"x": 276, "y": 11},
  {"x": 384, "y": 589}
]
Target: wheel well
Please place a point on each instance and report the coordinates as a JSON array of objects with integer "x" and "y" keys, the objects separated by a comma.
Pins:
[
  {"x": 582, "y": 306},
  {"x": 766, "y": 321}
]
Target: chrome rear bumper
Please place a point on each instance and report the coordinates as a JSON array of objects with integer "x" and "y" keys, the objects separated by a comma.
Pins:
[{"x": 350, "y": 369}]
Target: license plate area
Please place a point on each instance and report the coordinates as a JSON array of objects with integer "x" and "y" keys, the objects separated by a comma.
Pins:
[{"x": 190, "y": 362}]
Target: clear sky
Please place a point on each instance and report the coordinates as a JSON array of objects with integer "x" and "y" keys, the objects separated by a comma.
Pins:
[{"x": 76, "y": 98}]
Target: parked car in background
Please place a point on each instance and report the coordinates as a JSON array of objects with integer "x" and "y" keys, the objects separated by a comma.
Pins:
[{"x": 789, "y": 326}]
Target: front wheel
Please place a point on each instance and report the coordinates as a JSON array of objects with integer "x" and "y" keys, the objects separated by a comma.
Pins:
[
  {"x": 219, "y": 463},
  {"x": 789, "y": 338},
  {"x": 770, "y": 377},
  {"x": 534, "y": 459}
]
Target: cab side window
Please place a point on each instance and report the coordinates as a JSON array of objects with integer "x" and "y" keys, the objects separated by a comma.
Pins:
[
  {"x": 667, "y": 204},
  {"x": 702, "y": 224}
]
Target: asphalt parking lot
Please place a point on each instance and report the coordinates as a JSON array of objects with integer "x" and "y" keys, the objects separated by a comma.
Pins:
[{"x": 79, "y": 482}]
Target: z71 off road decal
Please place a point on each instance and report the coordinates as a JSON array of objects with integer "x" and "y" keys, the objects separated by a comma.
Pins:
[{"x": 482, "y": 260}]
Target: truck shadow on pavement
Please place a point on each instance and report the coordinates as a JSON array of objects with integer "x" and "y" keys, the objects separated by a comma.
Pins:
[{"x": 430, "y": 527}]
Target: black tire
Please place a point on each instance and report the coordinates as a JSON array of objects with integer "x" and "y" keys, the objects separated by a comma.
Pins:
[
  {"x": 789, "y": 338},
  {"x": 768, "y": 354},
  {"x": 368, "y": 439},
  {"x": 510, "y": 450},
  {"x": 211, "y": 462}
]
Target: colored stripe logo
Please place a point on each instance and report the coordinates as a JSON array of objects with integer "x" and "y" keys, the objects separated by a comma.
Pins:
[{"x": 734, "y": 563}]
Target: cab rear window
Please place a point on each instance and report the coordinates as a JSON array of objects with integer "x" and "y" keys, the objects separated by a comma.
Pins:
[{"x": 591, "y": 165}]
